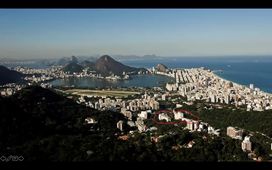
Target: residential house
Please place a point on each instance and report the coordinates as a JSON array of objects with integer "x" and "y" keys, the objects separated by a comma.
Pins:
[
  {"x": 125, "y": 137},
  {"x": 90, "y": 120}
]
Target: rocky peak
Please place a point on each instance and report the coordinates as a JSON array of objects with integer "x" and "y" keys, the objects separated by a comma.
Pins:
[{"x": 161, "y": 67}]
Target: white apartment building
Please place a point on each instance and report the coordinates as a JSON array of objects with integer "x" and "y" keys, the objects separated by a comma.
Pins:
[
  {"x": 143, "y": 114},
  {"x": 178, "y": 115},
  {"x": 120, "y": 125},
  {"x": 246, "y": 144},
  {"x": 141, "y": 128},
  {"x": 192, "y": 125},
  {"x": 164, "y": 116},
  {"x": 234, "y": 133}
]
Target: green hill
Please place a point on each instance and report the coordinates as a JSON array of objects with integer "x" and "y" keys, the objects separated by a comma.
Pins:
[
  {"x": 107, "y": 66},
  {"x": 9, "y": 76},
  {"x": 35, "y": 115}
]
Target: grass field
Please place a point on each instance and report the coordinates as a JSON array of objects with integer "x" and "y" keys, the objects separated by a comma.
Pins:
[{"x": 100, "y": 92}]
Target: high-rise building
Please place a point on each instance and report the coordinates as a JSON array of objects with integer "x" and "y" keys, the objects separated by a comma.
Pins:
[
  {"x": 230, "y": 84},
  {"x": 198, "y": 84},
  {"x": 141, "y": 127},
  {"x": 217, "y": 86},
  {"x": 96, "y": 105},
  {"x": 164, "y": 116},
  {"x": 107, "y": 100},
  {"x": 100, "y": 101},
  {"x": 227, "y": 99},
  {"x": 246, "y": 144},
  {"x": 124, "y": 104},
  {"x": 251, "y": 86},
  {"x": 156, "y": 105},
  {"x": 234, "y": 132},
  {"x": 120, "y": 125},
  {"x": 206, "y": 83},
  {"x": 143, "y": 114},
  {"x": 213, "y": 98},
  {"x": 192, "y": 125},
  {"x": 178, "y": 115},
  {"x": 163, "y": 97}
]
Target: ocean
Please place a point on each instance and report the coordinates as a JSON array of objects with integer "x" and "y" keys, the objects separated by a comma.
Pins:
[{"x": 242, "y": 70}]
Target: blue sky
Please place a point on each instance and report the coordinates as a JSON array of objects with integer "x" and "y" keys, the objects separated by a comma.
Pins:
[{"x": 54, "y": 33}]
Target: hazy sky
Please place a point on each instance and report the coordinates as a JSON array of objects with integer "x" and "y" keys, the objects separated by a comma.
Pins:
[{"x": 54, "y": 33}]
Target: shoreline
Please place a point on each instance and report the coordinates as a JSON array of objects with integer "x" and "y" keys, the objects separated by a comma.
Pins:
[{"x": 212, "y": 72}]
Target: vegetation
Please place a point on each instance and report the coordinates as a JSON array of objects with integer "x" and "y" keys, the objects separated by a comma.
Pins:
[
  {"x": 41, "y": 125},
  {"x": 253, "y": 120},
  {"x": 9, "y": 76}
]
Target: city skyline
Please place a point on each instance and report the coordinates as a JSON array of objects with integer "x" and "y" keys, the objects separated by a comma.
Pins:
[{"x": 55, "y": 33}]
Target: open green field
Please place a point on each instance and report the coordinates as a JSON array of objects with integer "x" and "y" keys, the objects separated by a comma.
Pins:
[{"x": 99, "y": 92}]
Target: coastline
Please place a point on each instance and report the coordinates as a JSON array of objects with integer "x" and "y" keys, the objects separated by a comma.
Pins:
[{"x": 212, "y": 72}]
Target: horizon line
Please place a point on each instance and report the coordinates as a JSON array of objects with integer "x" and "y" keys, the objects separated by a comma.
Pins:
[{"x": 177, "y": 56}]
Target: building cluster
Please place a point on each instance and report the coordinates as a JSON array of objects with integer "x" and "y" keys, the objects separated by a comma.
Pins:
[
  {"x": 35, "y": 79},
  {"x": 145, "y": 104},
  {"x": 200, "y": 126},
  {"x": 237, "y": 133},
  {"x": 201, "y": 84},
  {"x": 10, "y": 89},
  {"x": 192, "y": 125},
  {"x": 101, "y": 103},
  {"x": 56, "y": 72}
]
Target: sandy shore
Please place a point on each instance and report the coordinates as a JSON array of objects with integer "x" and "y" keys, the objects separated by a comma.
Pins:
[
  {"x": 236, "y": 84},
  {"x": 226, "y": 79}
]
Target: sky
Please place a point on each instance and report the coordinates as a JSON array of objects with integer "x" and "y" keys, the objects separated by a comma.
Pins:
[{"x": 55, "y": 33}]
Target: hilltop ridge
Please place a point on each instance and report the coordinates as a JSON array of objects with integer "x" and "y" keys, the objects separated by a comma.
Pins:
[
  {"x": 107, "y": 65},
  {"x": 9, "y": 76}
]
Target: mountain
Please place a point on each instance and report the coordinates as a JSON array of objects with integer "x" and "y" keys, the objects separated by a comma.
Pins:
[
  {"x": 37, "y": 122},
  {"x": 87, "y": 63},
  {"x": 135, "y": 57},
  {"x": 162, "y": 68},
  {"x": 73, "y": 59},
  {"x": 107, "y": 65},
  {"x": 9, "y": 76},
  {"x": 88, "y": 58},
  {"x": 73, "y": 67},
  {"x": 63, "y": 61},
  {"x": 153, "y": 56}
]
